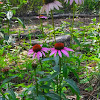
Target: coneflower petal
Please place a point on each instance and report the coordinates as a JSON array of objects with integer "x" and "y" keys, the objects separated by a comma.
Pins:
[
  {"x": 42, "y": 9},
  {"x": 34, "y": 55},
  {"x": 81, "y": 1},
  {"x": 59, "y": 52},
  {"x": 68, "y": 49},
  {"x": 64, "y": 52},
  {"x": 41, "y": 45},
  {"x": 55, "y": 53},
  {"x": 38, "y": 57},
  {"x": 43, "y": 53},
  {"x": 30, "y": 51},
  {"x": 71, "y": 1},
  {"x": 39, "y": 53},
  {"x": 52, "y": 49},
  {"x": 66, "y": 1},
  {"x": 58, "y": 3},
  {"x": 52, "y": 52},
  {"x": 44, "y": 49},
  {"x": 47, "y": 9},
  {"x": 76, "y": 1},
  {"x": 56, "y": 6},
  {"x": 51, "y": 6}
]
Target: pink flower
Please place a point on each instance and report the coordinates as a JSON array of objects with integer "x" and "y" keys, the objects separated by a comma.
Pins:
[
  {"x": 41, "y": 16},
  {"x": 50, "y": 5},
  {"x": 38, "y": 50},
  {"x": 1, "y": 2},
  {"x": 77, "y": 1},
  {"x": 59, "y": 47}
]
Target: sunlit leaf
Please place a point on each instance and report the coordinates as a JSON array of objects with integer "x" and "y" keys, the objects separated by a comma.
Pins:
[
  {"x": 9, "y": 14},
  {"x": 76, "y": 40},
  {"x": 19, "y": 21}
]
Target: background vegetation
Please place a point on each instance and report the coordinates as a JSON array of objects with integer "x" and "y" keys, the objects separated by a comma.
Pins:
[{"x": 31, "y": 7}]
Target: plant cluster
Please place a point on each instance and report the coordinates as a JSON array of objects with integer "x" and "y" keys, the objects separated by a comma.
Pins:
[{"x": 49, "y": 71}]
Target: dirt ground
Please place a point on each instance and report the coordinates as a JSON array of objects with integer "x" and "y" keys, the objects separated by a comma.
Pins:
[{"x": 33, "y": 23}]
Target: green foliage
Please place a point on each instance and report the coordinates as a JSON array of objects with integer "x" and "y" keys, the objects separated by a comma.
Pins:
[{"x": 53, "y": 77}]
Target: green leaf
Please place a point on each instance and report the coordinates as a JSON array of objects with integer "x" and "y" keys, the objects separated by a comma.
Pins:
[
  {"x": 6, "y": 37},
  {"x": 74, "y": 72},
  {"x": 20, "y": 21},
  {"x": 53, "y": 75},
  {"x": 40, "y": 98},
  {"x": 50, "y": 77},
  {"x": 76, "y": 40},
  {"x": 84, "y": 80},
  {"x": 96, "y": 0},
  {"x": 78, "y": 60},
  {"x": 40, "y": 72},
  {"x": 46, "y": 59},
  {"x": 28, "y": 90},
  {"x": 65, "y": 72},
  {"x": 56, "y": 59},
  {"x": 64, "y": 96},
  {"x": 56, "y": 68},
  {"x": 45, "y": 87},
  {"x": 1, "y": 98},
  {"x": 12, "y": 94},
  {"x": 73, "y": 85},
  {"x": 53, "y": 96},
  {"x": 43, "y": 79},
  {"x": 7, "y": 80}
]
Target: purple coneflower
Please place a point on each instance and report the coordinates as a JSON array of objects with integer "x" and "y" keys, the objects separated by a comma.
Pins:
[
  {"x": 59, "y": 47},
  {"x": 5, "y": 69},
  {"x": 50, "y": 5},
  {"x": 77, "y": 1},
  {"x": 41, "y": 16},
  {"x": 38, "y": 50},
  {"x": 1, "y": 2}
]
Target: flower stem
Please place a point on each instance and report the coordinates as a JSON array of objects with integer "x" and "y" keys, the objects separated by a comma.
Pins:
[
  {"x": 42, "y": 27},
  {"x": 36, "y": 82},
  {"x": 57, "y": 78},
  {"x": 72, "y": 22},
  {"x": 57, "y": 84},
  {"x": 99, "y": 14},
  {"x": 53, "y": 25},
  {"x": 8, "y": 26},
  {"x": 60, "y": 80},
  {"x": 41, "y": 67},
  {"x": 73, "y": 16},
  {"x": 42, "y": 75}
]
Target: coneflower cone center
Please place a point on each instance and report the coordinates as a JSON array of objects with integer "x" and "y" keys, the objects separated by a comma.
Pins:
[
  {"x": 41, "y": 16},
  {"x": 48, "y": 1},
  {"x": 37, "y": 48},
  {"x": 59, "y": 46}
]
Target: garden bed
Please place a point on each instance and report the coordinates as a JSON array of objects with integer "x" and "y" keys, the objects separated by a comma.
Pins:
[{"x": 19, "y": 62}]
